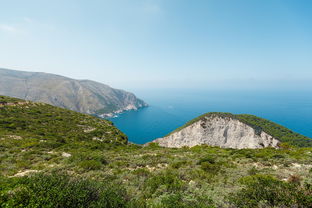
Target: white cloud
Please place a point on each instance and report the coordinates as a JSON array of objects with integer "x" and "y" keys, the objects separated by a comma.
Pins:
[{"x": 8, "y": 28}]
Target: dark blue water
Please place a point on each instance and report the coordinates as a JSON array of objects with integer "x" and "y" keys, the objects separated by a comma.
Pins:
[{"x": 170, "y": 109}]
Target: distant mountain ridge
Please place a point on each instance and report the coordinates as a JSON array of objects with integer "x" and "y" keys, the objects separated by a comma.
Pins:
[
  {"x": 232, "y": 131},
  {"x": 83, "y": 96}
]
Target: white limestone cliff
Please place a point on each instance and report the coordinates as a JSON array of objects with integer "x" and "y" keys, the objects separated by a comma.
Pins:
[{"x": 223, "y": 132}]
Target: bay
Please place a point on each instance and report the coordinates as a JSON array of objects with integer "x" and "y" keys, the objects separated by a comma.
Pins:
[{"x": 170, "y": 109}]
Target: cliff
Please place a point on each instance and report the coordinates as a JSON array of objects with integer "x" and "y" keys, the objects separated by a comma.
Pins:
[
  {"x": 232, "y": 131},
  {"x": 83, "y": 96}
]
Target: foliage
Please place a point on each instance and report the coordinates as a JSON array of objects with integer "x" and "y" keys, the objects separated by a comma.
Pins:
[
  {"x": 5, "y": 99},
  {"x": 180, "y": 200},
  {"x": 167, "y": 181},
  {"x": 279, "y": 132},
  {"x": 59, "y": 191},
  {"x": 267, "y": 191},
  {"x": 54, "y": 125},
  {"x": 102, "y": 171}
]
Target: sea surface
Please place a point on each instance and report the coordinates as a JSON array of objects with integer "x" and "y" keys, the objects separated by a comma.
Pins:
[{"x": 169, "y": 109}]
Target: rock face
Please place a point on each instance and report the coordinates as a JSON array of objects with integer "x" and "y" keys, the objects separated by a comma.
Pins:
[
  {"x": 83, "y": 96},
  {"x": 223, "y": 132}
]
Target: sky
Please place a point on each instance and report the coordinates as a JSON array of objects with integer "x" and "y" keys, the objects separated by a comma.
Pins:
[{"x": 148, "y": 44}]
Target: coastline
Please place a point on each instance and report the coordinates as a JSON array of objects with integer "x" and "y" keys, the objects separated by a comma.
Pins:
[{"x": 115, "y": 114}]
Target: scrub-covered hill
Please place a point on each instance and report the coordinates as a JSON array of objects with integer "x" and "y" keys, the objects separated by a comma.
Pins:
[
  {"x": 37, "y": 128},
  {"x": 51, "y": 157},
  {"x": 233, "y": 131}
]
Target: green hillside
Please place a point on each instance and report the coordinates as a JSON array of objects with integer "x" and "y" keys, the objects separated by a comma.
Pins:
[
  {"x": 259, "y": 124},
  {"x": 44, "y": 123},
  {"x": 51, "y": 157},
  {"x": 36, "y": 127}
]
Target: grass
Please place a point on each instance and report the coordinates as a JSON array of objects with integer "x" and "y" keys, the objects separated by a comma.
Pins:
[
  {"x": 153, "y": 176},
  {"x": 5, "y": 99},
  {"x": 49, "y": 158}
]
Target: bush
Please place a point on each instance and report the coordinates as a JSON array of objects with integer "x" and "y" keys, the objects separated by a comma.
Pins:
[
  {"x": 141, "y": 172},
  {"x": 90, "y": 165},
  {"x": 210, "y": 165},
  {"x": 179, "y": 164},
  {"x": 167, "y": 182},
  {"x": 267, "y": 191},
  {"x": 207, "y": 159},
  {"x": 88, "y": 160},
  {"x": 58, "y": 191},
  {"x": 183, "y": 201},
  {"x": 253, "y": 171},
  {"x": 278, "y": 156}
]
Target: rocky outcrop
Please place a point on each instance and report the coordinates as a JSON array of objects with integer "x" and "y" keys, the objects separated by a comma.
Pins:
[
  {"x": 83, "y": 96},
  {"x": 219, "y": 131},
  {"x": 3, "y": 104}
]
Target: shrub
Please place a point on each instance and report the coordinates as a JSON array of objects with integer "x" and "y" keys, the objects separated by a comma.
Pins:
[
  {"x": 58, "y": 191},
  {"x": 153, "y": 145},
  {"x": 210, "y": 165},
  {"x": 88, "y": 160},
  {"x": 166, "y": 181},
  {"x": 294, "y": 179},
  {"x": 278, "y": 156},
  {"x": 207, "y": 159},
  {"x": 90, "y": 165},
  {"x": 178, "y": 164},
  {"x": 267, "y": 191},
  {"x": 252, "y": 171},
  {"x": 141, "y": 172},
  {"x": 183, "y": 201}
]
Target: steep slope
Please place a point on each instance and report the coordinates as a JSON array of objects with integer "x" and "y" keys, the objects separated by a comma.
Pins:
[
  {"x": 41, "y": 124},
  {"x": 232, "y": 131},
  {"x": 83, "y": 96}
]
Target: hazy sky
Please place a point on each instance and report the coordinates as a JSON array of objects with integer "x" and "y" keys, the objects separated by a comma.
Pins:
[{"x": 162, "y": 43}]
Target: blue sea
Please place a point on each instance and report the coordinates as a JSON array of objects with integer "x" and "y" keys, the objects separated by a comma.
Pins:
[{"x": 169, "y": 109}]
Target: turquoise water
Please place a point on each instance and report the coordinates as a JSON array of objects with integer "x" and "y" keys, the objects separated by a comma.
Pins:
[{"x": 170, "y": 109}]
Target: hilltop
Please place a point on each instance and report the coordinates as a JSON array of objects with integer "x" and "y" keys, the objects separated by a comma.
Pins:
[
  {"x": 83, "y": 96},
  {"x": 232, "y": 131}
]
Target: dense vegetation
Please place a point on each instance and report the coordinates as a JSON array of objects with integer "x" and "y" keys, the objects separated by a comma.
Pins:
[
  {"x": 259, "y": 124},
  {"x": 59, "y": 191},
  {"x": 152, "y": 176},
  {"x": 5, "y": 99},
  {"x": 48, "y": 158},
  {"x": 26, "y": 126},
  {"x": 38, "y": 122}
]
